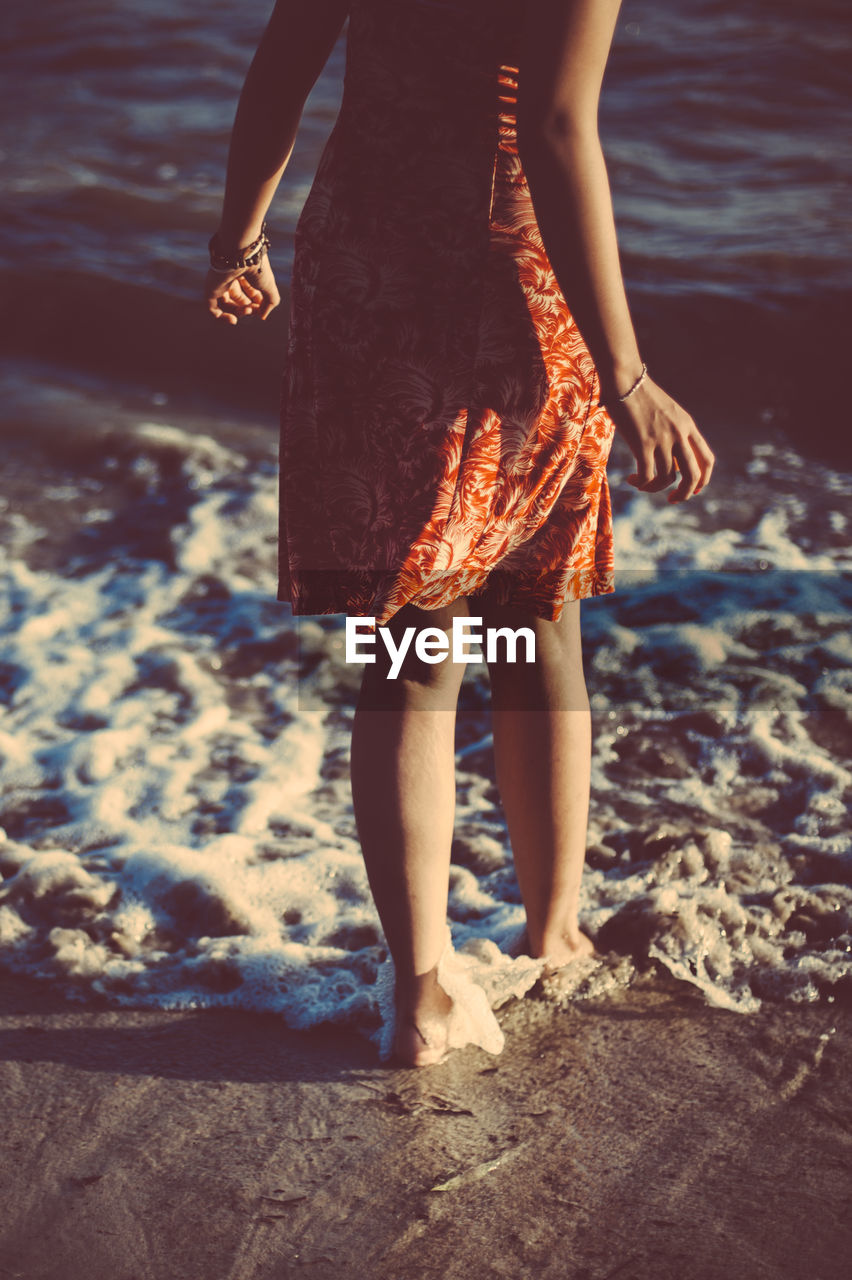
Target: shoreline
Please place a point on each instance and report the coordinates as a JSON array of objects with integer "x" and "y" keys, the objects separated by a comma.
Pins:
[{"x": 645, "y": 1135}]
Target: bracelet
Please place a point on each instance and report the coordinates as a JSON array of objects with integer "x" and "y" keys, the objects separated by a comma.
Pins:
[
  {"x": 247, "y": 258},
  {"x": 636, "y": 385}
]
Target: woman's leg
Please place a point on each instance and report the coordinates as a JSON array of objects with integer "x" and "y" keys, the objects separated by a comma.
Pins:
[
  {"x": 403, "y": 791},
  {"x": 542, "y": 748}
]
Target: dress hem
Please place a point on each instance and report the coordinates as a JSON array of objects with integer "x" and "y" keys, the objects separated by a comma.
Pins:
[{"x": 599, "y": 586}]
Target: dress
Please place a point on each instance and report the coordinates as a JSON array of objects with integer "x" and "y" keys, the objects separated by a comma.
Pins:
[{"x": 441, "y": 430}]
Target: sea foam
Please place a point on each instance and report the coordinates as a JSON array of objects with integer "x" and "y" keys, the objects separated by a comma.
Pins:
[{"x": 174, "y": 759}]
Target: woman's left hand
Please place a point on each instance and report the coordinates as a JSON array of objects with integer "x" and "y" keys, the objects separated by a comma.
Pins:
[{"x": 242, "y": 293}]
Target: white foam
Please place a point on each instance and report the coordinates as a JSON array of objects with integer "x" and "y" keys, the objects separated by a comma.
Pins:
[{"x": 180, "y": 799}]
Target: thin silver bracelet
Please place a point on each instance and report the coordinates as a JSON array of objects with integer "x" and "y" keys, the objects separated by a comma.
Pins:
[{"x": 636, "y": 385}]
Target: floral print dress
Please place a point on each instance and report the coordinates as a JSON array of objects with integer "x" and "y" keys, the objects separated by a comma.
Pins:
[{"x": 441, "y": 430}]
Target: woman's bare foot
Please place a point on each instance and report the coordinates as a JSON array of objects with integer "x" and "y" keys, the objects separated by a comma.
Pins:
[
  {"x": 564, "y": 949},
  {"x": 556, "y": 949},
  {"x": 422, "y": 1025}
]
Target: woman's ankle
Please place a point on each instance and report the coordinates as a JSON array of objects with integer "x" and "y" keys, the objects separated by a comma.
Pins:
[
  {"x": 562, "y": 943},
  {"x": 421, "y": 994}
]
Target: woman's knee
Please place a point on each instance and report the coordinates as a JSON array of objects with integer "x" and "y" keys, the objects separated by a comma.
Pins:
[
  {"x": 415, "y": 654},
  {"x": 554, "y": 678},
  {"x": 558, "y": 640}
]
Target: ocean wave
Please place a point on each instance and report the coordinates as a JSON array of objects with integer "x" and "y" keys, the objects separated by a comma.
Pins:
[{"x": 174, "y": 786}]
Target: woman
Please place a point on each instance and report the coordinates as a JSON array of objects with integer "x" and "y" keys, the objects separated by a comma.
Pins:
[{"x": 445, "y": 426}]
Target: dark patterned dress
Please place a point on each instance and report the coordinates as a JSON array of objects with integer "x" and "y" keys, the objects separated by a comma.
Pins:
[{"x": 441, "y": 431}]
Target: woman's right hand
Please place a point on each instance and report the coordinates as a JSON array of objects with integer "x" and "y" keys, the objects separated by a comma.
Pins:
[{"x": 665, "y": 442}]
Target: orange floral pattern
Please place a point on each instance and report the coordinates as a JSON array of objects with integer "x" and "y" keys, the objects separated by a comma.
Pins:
[{"x": 441, "y": 430}]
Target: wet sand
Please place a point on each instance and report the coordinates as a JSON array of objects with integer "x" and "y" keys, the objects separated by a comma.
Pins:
[{"x": 646, "y": 1136}]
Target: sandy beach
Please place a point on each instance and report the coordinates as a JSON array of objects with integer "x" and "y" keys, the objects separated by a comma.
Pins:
[{"x": 648, "y": 1135}]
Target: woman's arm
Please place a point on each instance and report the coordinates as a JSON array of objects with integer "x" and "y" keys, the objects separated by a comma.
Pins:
[
  {"x": 292, "y": 52},
  {"x": 564, "y": 53}
]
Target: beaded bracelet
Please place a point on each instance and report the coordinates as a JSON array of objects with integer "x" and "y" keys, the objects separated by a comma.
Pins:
[
  {"x": 636, "y": 385},
  {"x": 247, "y": 258}
]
